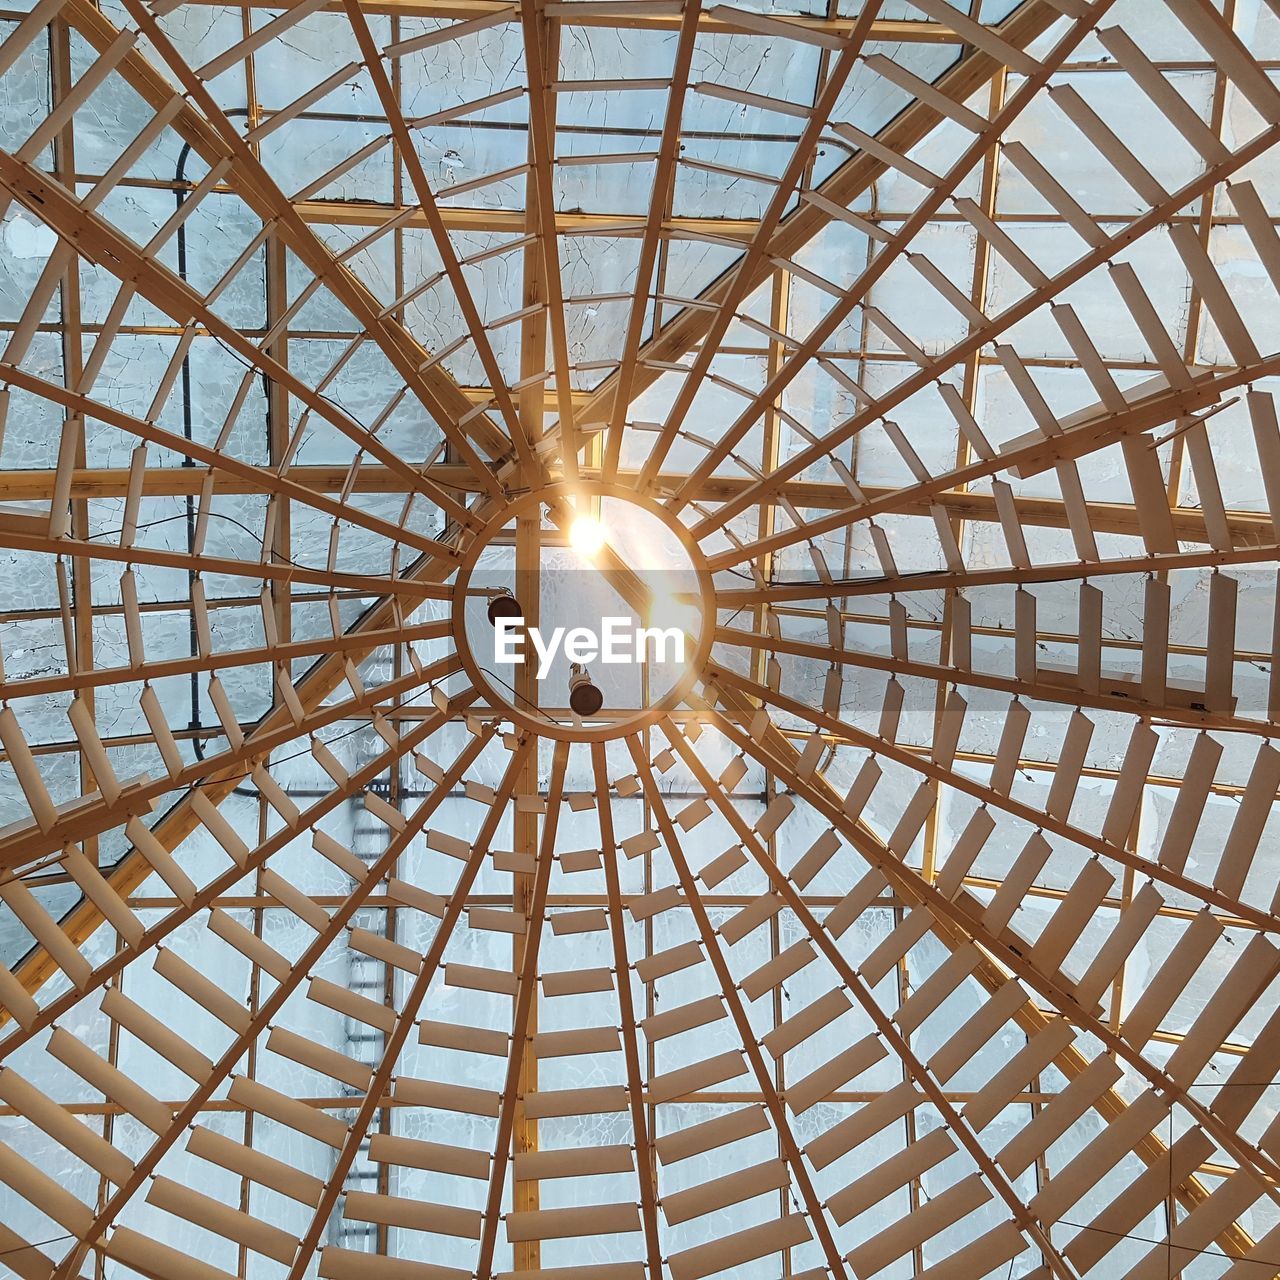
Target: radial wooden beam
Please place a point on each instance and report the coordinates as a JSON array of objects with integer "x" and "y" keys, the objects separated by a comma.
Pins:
[
  {"x": 289, "y": 651},
  {"x": 677, "y": 338},
  {"x": 1051, "y": 450},
  {"x": 255, "y": 479},
  {"x": 744, "y": 271},
  {"x": 728, "y": 989},
  {"x": 646, "y": 1161},
  {"x": 961, "y": 917},
  {"x": 853, "y": 983},
  {"x": 309, "y": 1241},
  {"x": 1022, "y": 575},
  {"x": 541, "y": 60},
  {"x": 950, "y": 929},
  {"x": 524, "y": 1019},
  {"x": 1070, "y": 693},
  {"x": 408, "y": 153},
  {"x": 257, "y": 570},
  {"x": 274, "y": 1003},
  {"x": 988, "y": 797},
  {"x": 1098, "y": 429},
  {"x": 664, "y": 177},
  {"x": 879, "y": 585}
]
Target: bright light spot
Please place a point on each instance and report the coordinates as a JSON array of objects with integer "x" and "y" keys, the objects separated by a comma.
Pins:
[
  {"x": 587, "y": 536},
  {"x": 669, "y": 611}
]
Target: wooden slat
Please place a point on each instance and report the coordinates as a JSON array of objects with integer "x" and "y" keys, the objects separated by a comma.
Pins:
[
  {"x": 890, "y": 1174},
  {"x": 1242, "y": 843},
  {"x": 872, "y": 1118},
  {"x": 728, "y": 1189},
  {"x": 707, "y": 1135},
  {"x": 739, "y": 1248},
  {"x": 586, "y": 1220},
  {"x": 1109, "y": 1227},
  {"x": 413, "y": 1214}
]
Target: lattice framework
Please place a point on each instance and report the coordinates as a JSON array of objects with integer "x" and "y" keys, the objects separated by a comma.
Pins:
[{"x": 952, "y": 344}]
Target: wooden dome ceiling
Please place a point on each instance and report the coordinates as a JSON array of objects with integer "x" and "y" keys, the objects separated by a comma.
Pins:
[{"x": 924, "y": 924}]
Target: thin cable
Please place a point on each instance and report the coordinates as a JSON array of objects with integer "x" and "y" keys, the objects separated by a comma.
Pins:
[
  {"x": 392, "y": 707},
  {"x": 371, "y": 432},
  {"x": 1208, "y": 1252},
  {"x": 216, "y": 515},
  {"x": 39, "y": 1244},
  {"x": 516, "y": 692},
  {"x": 53, "y": 859}
]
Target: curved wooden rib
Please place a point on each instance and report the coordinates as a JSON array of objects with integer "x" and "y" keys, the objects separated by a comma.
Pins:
[
  {"x": 267, "y": 1010},
  {"x": 711, "y": 944},
  {"x": 960, "y": 920}
]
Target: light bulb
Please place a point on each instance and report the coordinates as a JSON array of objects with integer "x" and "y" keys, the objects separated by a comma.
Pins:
[{"x": 586, "y": 534}]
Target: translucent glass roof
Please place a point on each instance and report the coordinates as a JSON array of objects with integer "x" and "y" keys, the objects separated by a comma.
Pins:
[{"x": 919, "y": 359}]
